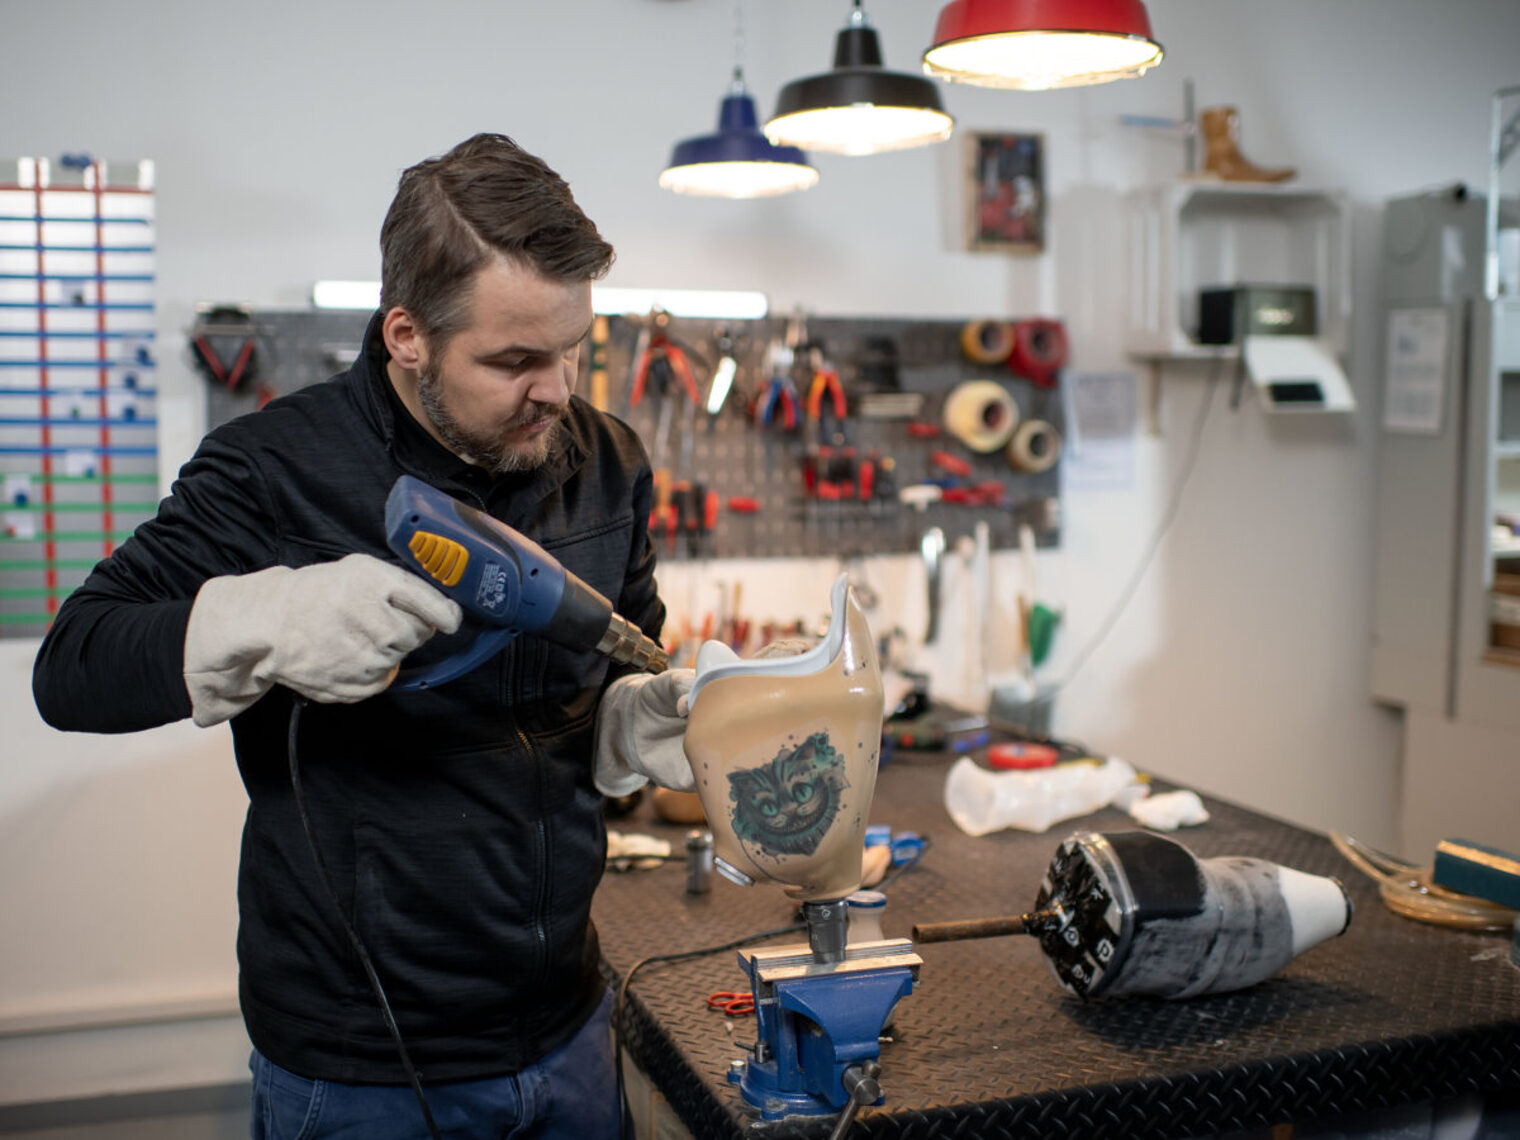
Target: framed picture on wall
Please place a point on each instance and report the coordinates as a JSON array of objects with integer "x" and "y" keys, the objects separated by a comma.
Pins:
[{"x": 1005, "y": 186}]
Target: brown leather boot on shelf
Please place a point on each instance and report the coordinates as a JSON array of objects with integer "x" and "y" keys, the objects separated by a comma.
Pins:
[{"x": 1220, "y": 128}]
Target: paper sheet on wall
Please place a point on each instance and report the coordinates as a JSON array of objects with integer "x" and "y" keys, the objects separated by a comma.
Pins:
[
  {"x": 1102, "y": 412},
  {"x": 1414, "y": 385}
]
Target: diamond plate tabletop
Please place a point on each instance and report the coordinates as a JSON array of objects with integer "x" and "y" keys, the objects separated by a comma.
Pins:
[{"x": 1393, "y": 1012}]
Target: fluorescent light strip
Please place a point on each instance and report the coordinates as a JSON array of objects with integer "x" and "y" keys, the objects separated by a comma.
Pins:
[
  {"x": 346, "y": 294},
  {"x": 714, "y": 304}
]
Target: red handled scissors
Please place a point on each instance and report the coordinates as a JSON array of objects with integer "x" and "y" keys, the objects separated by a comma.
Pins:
[{"x": 732, "y": 1004}]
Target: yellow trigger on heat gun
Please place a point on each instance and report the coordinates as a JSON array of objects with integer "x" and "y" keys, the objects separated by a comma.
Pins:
[{"x": 441, "y": 557}]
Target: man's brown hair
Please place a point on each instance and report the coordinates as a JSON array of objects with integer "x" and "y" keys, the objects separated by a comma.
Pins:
[{"x": 451, "y": 215}]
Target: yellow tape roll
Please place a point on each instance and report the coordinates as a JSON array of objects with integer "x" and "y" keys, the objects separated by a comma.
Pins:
[
  {"x": 981, "y": 414},
  {"x": 987, "y": 342},
  {"x": 1035, "y": 447}
]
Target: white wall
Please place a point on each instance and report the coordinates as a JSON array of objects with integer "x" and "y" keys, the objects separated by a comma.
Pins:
[{"x": 279, "y": 130}]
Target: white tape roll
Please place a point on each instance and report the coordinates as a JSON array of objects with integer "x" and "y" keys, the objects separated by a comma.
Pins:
[
  {"x": 1035, "y": 447},
  {"x": 981, "y": 414}
]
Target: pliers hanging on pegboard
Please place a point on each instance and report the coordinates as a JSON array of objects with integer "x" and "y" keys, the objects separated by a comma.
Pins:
[
  {"x": 825, "y": 384},
  {"x": 665, "y": 358},
  {"x": 664, "y": 363},
  {"x": 780, "y": 394}
]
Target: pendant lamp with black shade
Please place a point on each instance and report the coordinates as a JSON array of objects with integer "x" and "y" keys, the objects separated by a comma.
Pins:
[{"x": 859, "y": 107}]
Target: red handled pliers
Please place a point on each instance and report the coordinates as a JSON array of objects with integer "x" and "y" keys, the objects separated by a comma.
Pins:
[
  {"x": 825, "y": 383},
  {"x": 662, "y": 348}
]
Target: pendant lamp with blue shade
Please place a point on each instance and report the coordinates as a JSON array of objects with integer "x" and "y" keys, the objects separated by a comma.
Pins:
[{"x": 736, "y": 160}]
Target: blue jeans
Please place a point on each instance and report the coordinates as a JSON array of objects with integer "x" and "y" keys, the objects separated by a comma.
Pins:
[{"x": 571, "y": 1094}]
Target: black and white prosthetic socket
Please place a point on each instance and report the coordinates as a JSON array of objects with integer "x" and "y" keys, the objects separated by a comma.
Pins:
[{"x": 1136, "y": 913}]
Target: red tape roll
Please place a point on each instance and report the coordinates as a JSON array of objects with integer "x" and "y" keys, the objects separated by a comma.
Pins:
[{"x": 1039, "y": 350}]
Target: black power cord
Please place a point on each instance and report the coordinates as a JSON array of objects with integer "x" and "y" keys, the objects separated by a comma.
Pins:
[
  {"x": 1194, "y": 445},
  {"x": 622, "y": 994},
  {"x": 297, "y": 703}
]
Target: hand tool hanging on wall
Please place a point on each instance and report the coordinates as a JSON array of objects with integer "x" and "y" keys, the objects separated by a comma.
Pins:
[
  {"x": 640, "y": 352},
  {"x": 951, "y": 464},
  {"x": 695, "y": 516},
  {"x": 825, "y": 384},
  {"x": 775, "y": 408},
  {"x": 600, "y": 329},
  {"x": 933, "y": 550},
  {"x": 663, "y": 369},
  {"x": 224, "y": 341},
  {"x": 723, "y": 375},
  {"x": 829, "y": 462},
  {"x": 779, "y": 396}
]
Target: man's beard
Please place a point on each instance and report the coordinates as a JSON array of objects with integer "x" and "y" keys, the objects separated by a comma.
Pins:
[{"x": 494, "y": 452}]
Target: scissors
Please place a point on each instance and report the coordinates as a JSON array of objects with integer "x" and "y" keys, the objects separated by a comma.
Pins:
[{"x": 732, "y": 1004}]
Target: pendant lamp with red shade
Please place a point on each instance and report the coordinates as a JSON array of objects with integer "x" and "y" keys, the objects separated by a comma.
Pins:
[{"x": 1035, "y": 45}]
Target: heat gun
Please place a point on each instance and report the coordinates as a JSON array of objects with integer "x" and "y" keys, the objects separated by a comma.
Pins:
[{"x": 505, "y": 580}]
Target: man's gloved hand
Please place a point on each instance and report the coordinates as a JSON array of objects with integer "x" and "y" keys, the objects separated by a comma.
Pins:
[
  {"x": 334, "y": 632},
  {"x": 640, "y": 733}
]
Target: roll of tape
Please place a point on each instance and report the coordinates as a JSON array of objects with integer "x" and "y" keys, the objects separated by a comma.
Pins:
[
  {"x": 1035, "y": 447},
  {"x": 1039, "y": 350},
  {"x": 987, "y": 342},
  {"x": 981, "y": 414}
]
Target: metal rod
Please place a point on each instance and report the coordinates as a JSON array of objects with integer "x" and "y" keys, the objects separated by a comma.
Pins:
[{"x": 1031, "y": 923}]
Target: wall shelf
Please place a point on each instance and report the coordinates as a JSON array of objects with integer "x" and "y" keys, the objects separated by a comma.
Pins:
[{"x": 1196, "y": 234}]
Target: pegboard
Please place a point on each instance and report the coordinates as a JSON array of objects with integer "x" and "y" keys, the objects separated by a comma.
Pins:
[
  {"x": 732, "y": 454},
  {"x": 879, "y": 361},
  {"x": 293, "y": 348}
]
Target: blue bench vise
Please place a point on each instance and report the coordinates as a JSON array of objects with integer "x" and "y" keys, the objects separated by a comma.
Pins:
[{"x": 819, "y": 1011}]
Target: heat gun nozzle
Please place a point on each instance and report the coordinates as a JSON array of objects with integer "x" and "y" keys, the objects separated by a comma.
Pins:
[{"x": 626, "y": 644}]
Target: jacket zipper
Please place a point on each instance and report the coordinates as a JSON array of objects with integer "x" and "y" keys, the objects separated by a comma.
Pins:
[
  {"x": 541, "y": 853},
  {"x": 510, "y": 657}
]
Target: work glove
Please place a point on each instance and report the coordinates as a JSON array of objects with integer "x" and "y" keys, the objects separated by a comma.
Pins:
[
  {"x": 334, "y": 632},
  {"x": 641, "y": 732}
]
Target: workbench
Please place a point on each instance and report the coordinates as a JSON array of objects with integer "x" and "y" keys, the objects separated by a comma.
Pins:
[{"x": 1394, "y": 1012}]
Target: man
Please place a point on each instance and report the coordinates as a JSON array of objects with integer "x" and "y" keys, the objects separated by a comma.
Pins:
[{"x": 459, "y": 827}]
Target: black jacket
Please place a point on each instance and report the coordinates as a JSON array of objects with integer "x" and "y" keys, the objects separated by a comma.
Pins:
[{"x": 460, "y": 825}]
